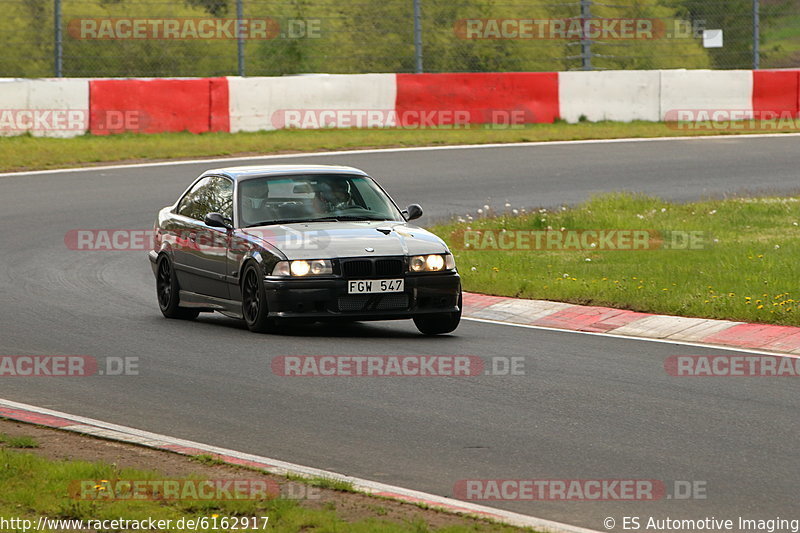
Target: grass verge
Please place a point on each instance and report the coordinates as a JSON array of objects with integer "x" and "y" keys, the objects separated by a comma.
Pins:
[
  {"x": 34, "y": 485},
  {"x": 743, "y": 266},
  {"x": 29, "y": 153}
]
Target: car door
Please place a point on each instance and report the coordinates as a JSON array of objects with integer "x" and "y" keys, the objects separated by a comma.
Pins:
[{"x": 201, "y": 259}]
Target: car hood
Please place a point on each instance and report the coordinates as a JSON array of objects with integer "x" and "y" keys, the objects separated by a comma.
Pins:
[{"x": 324, "y": 240}]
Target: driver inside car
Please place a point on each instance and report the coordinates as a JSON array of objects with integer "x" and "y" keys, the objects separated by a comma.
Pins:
[
  {"x": 334, "y": 195},
  {"x": 255, "y": 202}
]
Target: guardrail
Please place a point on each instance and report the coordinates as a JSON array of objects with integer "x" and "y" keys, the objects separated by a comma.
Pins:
[{"x": 70, "y": 107}]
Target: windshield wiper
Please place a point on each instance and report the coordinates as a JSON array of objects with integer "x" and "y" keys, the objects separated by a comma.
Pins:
[
  {"x": 320, "y": 219},
  {"x": 356, "y": 217},
  {"x": 280, "y": 221}
]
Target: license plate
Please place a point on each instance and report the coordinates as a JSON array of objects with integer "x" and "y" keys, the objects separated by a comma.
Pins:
[{"x": 371, "y": 286}]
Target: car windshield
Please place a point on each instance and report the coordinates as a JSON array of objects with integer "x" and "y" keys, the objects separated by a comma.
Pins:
[{"x": 312, "y": 198}]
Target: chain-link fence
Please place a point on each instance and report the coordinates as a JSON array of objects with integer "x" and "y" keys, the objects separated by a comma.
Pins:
[{"x": 98, "y": 38}]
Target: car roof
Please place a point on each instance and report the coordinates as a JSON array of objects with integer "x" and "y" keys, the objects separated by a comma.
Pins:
[{"x": 256, "y": 171}]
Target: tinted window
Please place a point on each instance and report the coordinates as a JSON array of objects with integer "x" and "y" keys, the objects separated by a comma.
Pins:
[
  {"x": 308, "y": 197},
  {"x": 209, "y": 195}
]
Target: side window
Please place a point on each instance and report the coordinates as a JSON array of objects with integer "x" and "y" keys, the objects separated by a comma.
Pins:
[
  {"x": 209, "y": 195},
  {"x": 222, "y": 190},
  {"x": 187, "y": 207}
]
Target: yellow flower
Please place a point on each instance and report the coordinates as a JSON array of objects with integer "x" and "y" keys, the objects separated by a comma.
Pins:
[{"x": 760, "y": 307}]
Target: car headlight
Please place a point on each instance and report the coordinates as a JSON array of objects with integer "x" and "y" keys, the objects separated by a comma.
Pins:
[
  {"x": 314, "y": 267},
  {"x": 431, "y": 263}
]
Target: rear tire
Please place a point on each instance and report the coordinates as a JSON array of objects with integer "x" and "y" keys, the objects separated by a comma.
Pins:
[
  {"x": 168, "y": 292},
  {"x": 254, "y": 301},
  {"x": 439, "y": 323}
]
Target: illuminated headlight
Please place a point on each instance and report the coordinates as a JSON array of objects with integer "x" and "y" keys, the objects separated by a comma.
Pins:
[
  {"x": 431, "y": 263},
  {"x": 315, "y": 267}
]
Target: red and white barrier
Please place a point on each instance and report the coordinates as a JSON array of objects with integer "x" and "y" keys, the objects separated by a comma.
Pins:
[
  {"x": 159, "y": 105},
  {"x": 44, "y": 107},
  {"x": 621, "y": 95},
  {"x": 483, "y": 98},
  {"x": 303, "y": 101},
  {"x": 776, "y": 90},
  {"x": 705, "y": 90},
  {"x": 68, "y": 107}
]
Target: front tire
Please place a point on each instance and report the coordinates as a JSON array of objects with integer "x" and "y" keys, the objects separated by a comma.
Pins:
[
  {"x": 254, "y": 302},
  {"x": 439, "y": 323},
  {"x": 168, "y": 292}
]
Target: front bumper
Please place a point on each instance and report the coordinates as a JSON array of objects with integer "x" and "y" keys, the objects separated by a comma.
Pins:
[{"x": 328, "y": 298}]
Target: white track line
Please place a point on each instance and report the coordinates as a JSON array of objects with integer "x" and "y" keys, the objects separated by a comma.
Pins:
[
  {"x": 395, "y": 150},
  {"x": 634, "y": 338},
  {"x": 283, "y": 468}
]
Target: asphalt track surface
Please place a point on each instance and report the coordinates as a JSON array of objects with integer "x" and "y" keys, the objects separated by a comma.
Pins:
[{"x": 588, "y": 407}]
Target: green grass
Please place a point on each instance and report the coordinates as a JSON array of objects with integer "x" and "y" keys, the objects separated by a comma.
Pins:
[
  {"x": 26, "y": 152},
  {"x": 324, "y": 483},
  {"x": 748, "y": 270},
  {"x": 32, "y": 486},
  {"x": 781, "y": 43},
  {"x": 207, "y": 459},
  {"x": 18, "y": 442}
]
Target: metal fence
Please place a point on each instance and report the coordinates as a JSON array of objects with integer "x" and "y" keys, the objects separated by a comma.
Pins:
[{"x": 99, "y": 38}]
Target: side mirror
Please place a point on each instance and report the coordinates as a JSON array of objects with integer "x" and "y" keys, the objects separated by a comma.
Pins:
[
  {"x": 412, "y": 212},
  {"x": 216, "y": 220}
]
